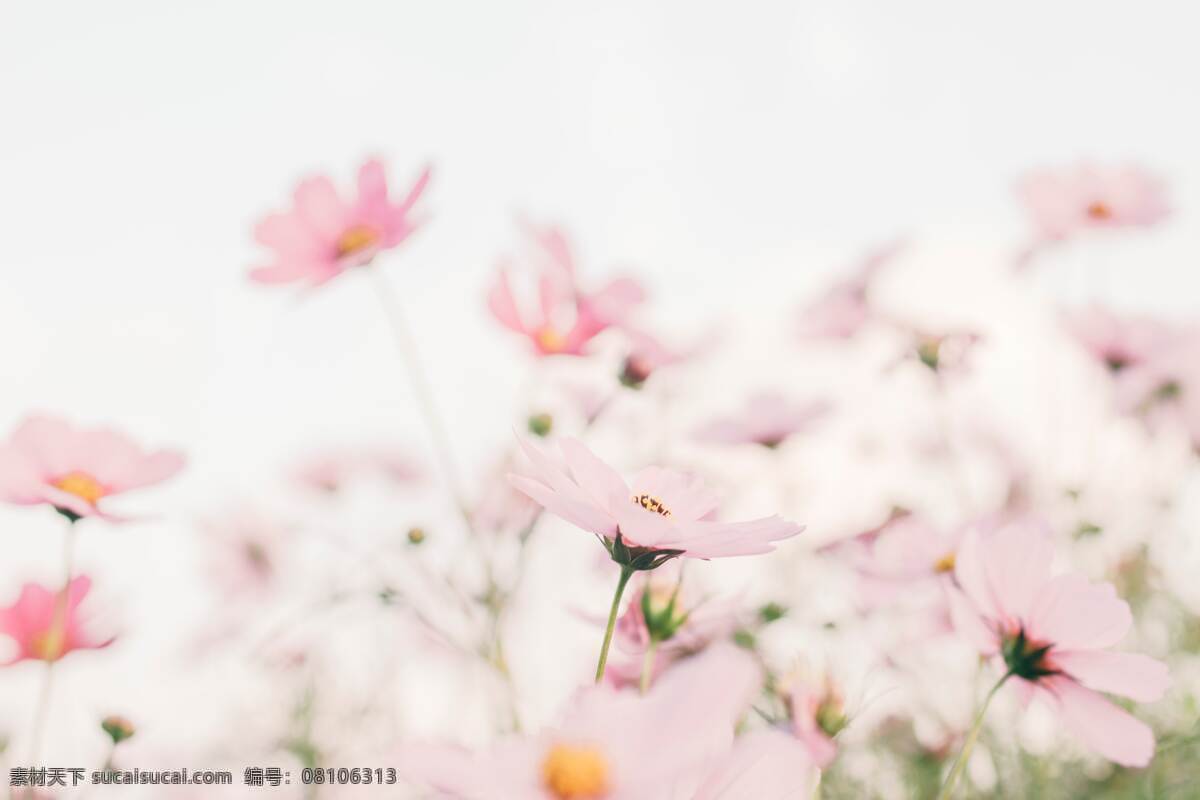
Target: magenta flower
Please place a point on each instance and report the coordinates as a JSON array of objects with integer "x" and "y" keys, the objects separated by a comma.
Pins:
[
  {"x": 611, "y": 745},
  {"x": 1071, "y": 200},
  {"x": 660, "y": 515},
  {"x": 46, "y": 460},
  {"x": 767, "y": 419},
  {"x": 46, "y": 626},
  {"x": 323, "y": 235},
  {"x": 565, "y": 318},
  {"x": 1052, "y": 634}
]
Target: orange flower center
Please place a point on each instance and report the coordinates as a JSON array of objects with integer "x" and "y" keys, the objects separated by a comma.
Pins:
[
  {"x": 82, "y": 485},
  {"x": 652, "y": 504},
  {"x": 1099, "y": 210},
  {"x": 49, "y": 645},
  {"x": 550, "y": 340},
  {"x": 356, "y": 239},
  {"x": 944, "y": 564},
  {"x": 575, "y": 773}
]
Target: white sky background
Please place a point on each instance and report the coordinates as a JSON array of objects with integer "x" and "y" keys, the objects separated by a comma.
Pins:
[{"x": 732, "y": 153}]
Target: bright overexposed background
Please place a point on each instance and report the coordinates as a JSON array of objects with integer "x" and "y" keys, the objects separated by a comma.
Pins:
[{"x": 731, "y": 154}]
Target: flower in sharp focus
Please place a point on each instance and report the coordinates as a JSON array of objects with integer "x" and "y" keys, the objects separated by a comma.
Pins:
[
  {"x": 46, "y": 460},
  {"x": 612, "y": 745},
  {"x": 45, "y": 626},
  {"x": 661, "y": 514},
  {"x": 566, "y": 317},
  {"x": 1052, "y": 634},
  {"x": 323, "y": 234},
  {"x": 766, "y": 419},
  {"x": 1066, "y": 201}
]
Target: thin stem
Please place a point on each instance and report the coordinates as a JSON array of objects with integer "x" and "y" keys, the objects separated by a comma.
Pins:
[
  {"x": 421, "y": 387},
  {"x": 626, "y": 574},
  {"x": 648, "y": 665},
  {"x": 964, "y": 755},
  {"x": 56, "y": 637}
]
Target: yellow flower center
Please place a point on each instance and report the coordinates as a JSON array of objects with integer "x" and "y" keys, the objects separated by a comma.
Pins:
[
  {"x": 550, "y": 340},
  {"x": 575, "y": 773},
  {"x": 1099, "y": 211},
  {"x": 355, "y": 240},
  {"x": 82, "y": 485},
  {"x": 944, "y": 564},
  {"x": 49, "y": 645},
  {"x": 652, "y": 504}
]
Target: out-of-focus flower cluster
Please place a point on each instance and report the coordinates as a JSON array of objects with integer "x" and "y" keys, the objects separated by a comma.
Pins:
[{"x": 933, "y": 534}]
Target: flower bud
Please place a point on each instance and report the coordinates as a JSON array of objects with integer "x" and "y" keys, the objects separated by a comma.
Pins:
[{"x": 118, "y": 728}]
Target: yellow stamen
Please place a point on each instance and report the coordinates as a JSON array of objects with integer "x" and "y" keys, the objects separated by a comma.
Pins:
[
  {"x": 944, "y": 564},
  {"x": 49, "y": 645},
  {"x": 356, "y": 239},
  {"x": 1099, "y": 211},
  {"x": 575, "y": 773},
  {"x": 652, "y": 504},
  {"x": 82, "y": 485},
  {"x": 550, "y": 340}
]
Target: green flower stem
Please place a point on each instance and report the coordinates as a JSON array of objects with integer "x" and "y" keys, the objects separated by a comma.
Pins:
[
  {"x": 964, "y": 755},
  {"x": 648, "y": 665},
  {"x": 626, "y": 574}
]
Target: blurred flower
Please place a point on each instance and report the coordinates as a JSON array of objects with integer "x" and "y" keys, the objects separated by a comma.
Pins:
[
  {"x": 944, "y": 352},
  {"x": 1052, "y": 634},
  {"x": 678, "y": 623},
  {"x": 118, "y": 728},
  {"x": 764, "y": 765},
  {"x": 909, "y": 557},
  {"x": 324, "y": 235},
  {"x": 46, "y": 460},
  {"x": 648, "y": 354},
  {"x": 1115, "y": 341},
  {"x": 567, "y": 317},
  {"x": 245, "y": 552},
  {"x": 843, "y": 309},
  {"x": 817, "y": 712},
  {"x": 1066, "y": 201},
  {"x": 329, "y": 470},
  {"x": 767, "y": 419},
  {"x": 611, "y": 745},
  {"x": 46, "y": 626},
  {"x": 663, "y": 514}
]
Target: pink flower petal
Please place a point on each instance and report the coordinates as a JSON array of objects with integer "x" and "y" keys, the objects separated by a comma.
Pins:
[
  {"x": 1102, "y": 726},
  {"x": 1131, "y": 675}
]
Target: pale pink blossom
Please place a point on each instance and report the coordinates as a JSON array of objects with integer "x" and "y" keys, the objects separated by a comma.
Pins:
[
  {"x": 1052, "y": 634},
  {"x": 45, "y": 626},
  {"x": 767, "y": 419},
  {"x": 611, "y": 745},
  {"x": 324, "y": 233},
  {"x": 246, "y": 550},
  {"x": 817, "y": 712},
  {"x": 1118, "y": 342},
  {"x": 763, "y": 765},
  {"x": 47, "y": 460},
  {"x": 692, "y": 623},
  {"x": 1065, "y": 201},
  {"x": 659, "y": 515},
  {"x": 909, "y": 557},
  {"x": 329, "y": 470},
  {"x": 843, "y": 309},
  {"x": 565, "y": 317}
]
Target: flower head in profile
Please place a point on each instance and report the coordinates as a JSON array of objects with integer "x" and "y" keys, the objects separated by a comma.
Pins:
[
  {"x": 659, "y": 515},
  {"x": 566, "y": 317},
  {"x": 817, "y": 712},
  {"x": 1052, "y": 633},
  {"x": 324, "y": 233},
  {"x": 45, "y": 626},
  {"x": 1066, "y": 201},
  {"x": 47, "y": 460},
  {"x": 767, "y": 419},
  {"x": 611, "y": 745}
]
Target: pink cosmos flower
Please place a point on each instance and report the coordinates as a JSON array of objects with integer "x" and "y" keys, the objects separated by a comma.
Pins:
[
  {"x": 843, "y": 309},
  {"x": 660, "y": 515},
  {"x": 1052, "y": 633},
  {"x": 816, "y": 709},
  {"x": 1087, "y": 196},
  {"x": 329, "y": 470},
  {"x": 46, "y": 460},
  {"x": 684, "y": 623},
  {"x": 566, "y": 317},
  {"x": 323, "y": 234},
  {"x": 767, "y": 419},
  {"x": 909, "y": 556},
  {"x": 45, "y": 626},
  {"x": 611, "y": 745},
  {"x": 246, "y": 551},
  {"x": 1115, "y": 341},
  {"x": 763, "y": 765}
]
